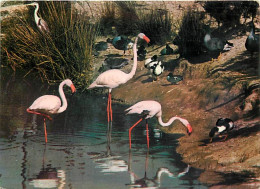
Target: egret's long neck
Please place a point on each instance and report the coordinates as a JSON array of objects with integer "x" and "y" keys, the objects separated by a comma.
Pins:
[
  {"x": 132, "y": 73},
  {"x": 36, "y": 17},
  {"x": 63, "y": 99},
  {"x": 184, "y": 122}
]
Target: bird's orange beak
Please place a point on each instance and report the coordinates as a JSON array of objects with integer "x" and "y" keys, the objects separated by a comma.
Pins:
[
  {"x": 146, "y": 39},
  {"x": 73, "y": 89},
  {"x": 189, "y": 131}
]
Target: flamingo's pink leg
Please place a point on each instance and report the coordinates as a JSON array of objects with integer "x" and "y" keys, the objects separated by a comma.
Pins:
[
  {"x": 108, "y": 108},
  {"x": 147, "y": 134},
  {"x": 110, "y": 105},
  {"x": 38, "y": 113},
  {"x": 131, "y": 130},
  {"x": 45, "y": 130}
]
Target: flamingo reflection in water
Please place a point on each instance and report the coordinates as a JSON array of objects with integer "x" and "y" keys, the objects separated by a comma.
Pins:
[
  {"x": 49, "y": 177},
  {"x": 107, "y": 162},
  {"x": 155, "y": 182}
]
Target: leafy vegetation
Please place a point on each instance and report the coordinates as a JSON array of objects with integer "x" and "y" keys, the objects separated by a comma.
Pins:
[
  {"x": 230, "y": 12},
  {"x": 191, "y": 34},
  {"x": 64, "y": 52}
]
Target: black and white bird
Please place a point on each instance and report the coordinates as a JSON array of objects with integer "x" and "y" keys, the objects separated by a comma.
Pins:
[
  {"x": 157, "y": 70},
  {"x": 252, "y": 41},
  {"x": 174, "y": 79},
  {"x": 41, "y": 24},
  {"x": 223, "y": 126},
  {"x": 150, "y": 61}
]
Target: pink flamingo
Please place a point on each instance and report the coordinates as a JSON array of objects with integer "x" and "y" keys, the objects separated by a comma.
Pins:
[
  {"x": 151, "y": 108},
  {"x": 50, "y": 104},
  {"x": 113, "y": 78}
]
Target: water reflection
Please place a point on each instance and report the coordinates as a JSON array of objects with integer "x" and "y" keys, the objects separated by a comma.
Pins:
[
  {"x": 154, "y": 182},
  {"x": 108, "y": 162},
  {"x": 48, "y": 177},
  {"x": 82, "y": 149}
]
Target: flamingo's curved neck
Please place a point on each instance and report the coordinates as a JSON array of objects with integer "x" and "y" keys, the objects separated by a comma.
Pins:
[
  {"x": 63, "y": 98},
  {"x": 36, "y": 17},
  {"x": 132, "y": 73},
  {"x": 159, "y": 174},
  {"x": 184, "y": 122}
]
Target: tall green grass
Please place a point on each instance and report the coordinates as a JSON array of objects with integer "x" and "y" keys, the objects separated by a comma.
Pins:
[
  {"x": 191, "y": 33},
  {"x": 65, "y": 52}
]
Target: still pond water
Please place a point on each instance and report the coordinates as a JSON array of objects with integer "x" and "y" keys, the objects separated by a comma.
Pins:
[{"x": 83, "y": 151}]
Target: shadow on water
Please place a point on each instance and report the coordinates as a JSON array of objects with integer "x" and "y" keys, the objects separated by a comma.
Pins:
[{"x": 82, "y": 149}]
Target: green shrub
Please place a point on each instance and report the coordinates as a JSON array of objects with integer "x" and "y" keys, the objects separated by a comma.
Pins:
[
  {"x": 127, "y": 21},
  {"x": 191, "y": 33},
  {"x": 230, "y": 12},
  {"x": 157, "y": 25},
  {"x": 108, "y": 18},
  {"x": 65, "y": 52}
]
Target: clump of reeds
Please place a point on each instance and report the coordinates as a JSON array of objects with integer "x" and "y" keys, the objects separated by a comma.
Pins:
[
  {"x": 158, "y": 25},
  {"x": 191, "y": 33},
  {"x": 64, "y": 52},
  {"x": 127, "y": 19},
  {"x": 108, "y": 18}
]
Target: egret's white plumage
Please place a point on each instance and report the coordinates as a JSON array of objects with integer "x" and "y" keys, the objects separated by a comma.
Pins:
[{"x": 41, "y": 24}]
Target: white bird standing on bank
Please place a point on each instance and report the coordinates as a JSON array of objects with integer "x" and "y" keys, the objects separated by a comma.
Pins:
[
  {"x": 113, "y": 78},
  {"x": 41, "y": 24},
  {"x": 151, "y": 108},
  {"x": 50, "y": 104}
]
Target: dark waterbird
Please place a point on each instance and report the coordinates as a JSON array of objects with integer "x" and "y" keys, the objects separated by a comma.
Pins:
[
  {"x": 101, "y": 46},
  {"x": 141, "y": 52},
  {"x": 167, "y": 50},
  {"x": 113, "y": 63},
  {"x": 223, "y": 126},
  {"x": 252, "y": 41},
  {"x": 121, "y": 42},
  {"x": 174, "y": 79}
]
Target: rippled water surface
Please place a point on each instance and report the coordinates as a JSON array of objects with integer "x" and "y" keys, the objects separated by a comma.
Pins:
[{"x": 83, "y": 151}]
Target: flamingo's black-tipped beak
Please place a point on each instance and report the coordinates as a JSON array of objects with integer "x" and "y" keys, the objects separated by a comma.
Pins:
[
  {"x": 189, "y": 129},
  {"x": 73, "y": 89},
  {"x": 146, "y": 39}
]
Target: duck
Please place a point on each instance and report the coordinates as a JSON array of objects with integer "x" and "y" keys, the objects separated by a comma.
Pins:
[
  {"x": 101, "y": 46},
  {"x": 141, "y": 52},
  {"x": 252, "y": 41},
  {"x": 167, "y": 50},
  {"x": 150, "y": 61},
  {"x": 217, "y": 44},
  {"x": 174, "y": 79},
  {"x": 121, "y": 42},
  {"x": 157, "y": 69},
  {"x": 113, "y": 63},
  {"x": 223, "y": 126}
]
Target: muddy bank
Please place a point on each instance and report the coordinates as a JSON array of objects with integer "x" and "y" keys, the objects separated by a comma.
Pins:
[{"x": 210, "y": 90}]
